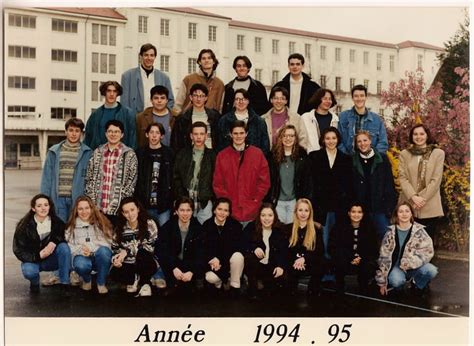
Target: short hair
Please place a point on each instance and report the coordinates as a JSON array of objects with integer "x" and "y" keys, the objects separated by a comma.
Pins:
[
  {"x": 394, "y": 218},
  {"x": 245, "y": 58},
  {"x": 183, "y": 200},
  {"x": 146, "y": 47},
  {"x": 238, "y": 123},
  {"x": 198, "y": 124},
  {"x": 429, "y": 138},
  {"x": 199, "y": 86},
  {"x": 317, "y": 97},
  {"x": 159, "y": 90},
  {"x": 114, "y": 122},
  {"x": 279, "y": 89},
  {"x": 244, "y": 93},
  {"x": 327, "y": 130},
  {"x": 296, "y": 56},
  {"x": 105, "y": 85},
  {"x": 222, "y": 200},
  {"x": 213, "y": 56},
  {"x": 360, "y": 133},
  {"x": 74, "y": 122},
  {"x": 358, "y": 87},
  {"x": 160, "y": 127}
]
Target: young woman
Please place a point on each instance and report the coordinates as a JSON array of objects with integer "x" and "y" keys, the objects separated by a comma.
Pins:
[
  {"x": 421, "y": 171},
  {"x": 286, "y": 173},
  {"x": 89, "y": 235},
  {"x": 305, "y": 248},
  {"x": 39, "y": 243},
  {"x": 373, "y": 182},
  {"x": 134, "y": 244},
  {"x": 353, "y": 248},
  {"x": 405, "y": 253},
  {"x": 265, "y": 255}
]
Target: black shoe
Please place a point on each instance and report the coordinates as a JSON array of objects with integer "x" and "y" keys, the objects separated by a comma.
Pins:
[
  {"x": 234, "y": 292},
  {"x": 34, "y": 288}
]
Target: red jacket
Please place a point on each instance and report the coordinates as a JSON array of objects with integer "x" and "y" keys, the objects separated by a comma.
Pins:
[{"x": 245, "y": 181}]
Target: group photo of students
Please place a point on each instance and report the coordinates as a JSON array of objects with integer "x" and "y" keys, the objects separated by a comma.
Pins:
[{"x": 223, "y": 190}]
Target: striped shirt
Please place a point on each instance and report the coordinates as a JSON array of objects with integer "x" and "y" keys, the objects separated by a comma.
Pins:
[{"x": 67, "y": 163}]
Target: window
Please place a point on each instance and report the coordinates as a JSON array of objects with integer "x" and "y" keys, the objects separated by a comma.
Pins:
[
  {"x": 275, "y": 77},
  {"x": 291, "y": 47},
  {"x": 165, "y": 63},
  {"x": 95, "y": 91},
  {"x": 103, "y": 63},
  {"x": 63, "y": 85},
  {"x": 21, "y": 21},
  {"x": 192, "y": 31},
  {"x": 212, "y": 33},
  {"x": 275, "y": 46},
  {"x": 143, "y": 24},
  {"x": 112, "y": 63},
  {"x": 392, "y": 63},
  {"x": 63, "y": 55},
  {"x": 366, "y": 83},
  {"x": 419, "y": 64},
  {"x": 25, "y": 149},
  {"x": 307, "y": 50},
  {"x": 337, "y": 54},
  {"x": 322, "y": 81},
  {"x": 103, "y": 34},
  {"x": 338, "y": 83},
  {"x": 112, "y": 35},
  {"x": 23, "y": 112},
  {"x": 164, "y": 27},
  {"x": 258, "y": 44},
  {"x": 366, "y": 58},
  {"x": 352, "y": 82},
  {"x": 95, "y": 33},
  {"x": 64, "y": 25},
  {"x": 258, "y": 74},
  {"x": 63, "y": 113},
  {"x": 95, "y": 62},
  {"x": 240, "y": 42},
  {"x": 352, "y": 55},
  {"x": 379, "y": 61},
  {"x": 381, "y": 112},
  {"x": 192, "y": 63},
  {"x": 21, "y": 82},
  {"x": 22, "y": 52},
  {"x": 379, "y": 87},
  {"x": 322, "y": 53}
]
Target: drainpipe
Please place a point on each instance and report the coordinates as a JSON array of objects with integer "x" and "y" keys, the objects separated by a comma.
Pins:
[{"x": 85, "y": 69}]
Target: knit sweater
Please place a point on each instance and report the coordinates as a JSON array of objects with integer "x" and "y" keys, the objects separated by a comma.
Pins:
[
  {"x": 85, "y": 234},
  {"x": 131, "y": 244}
]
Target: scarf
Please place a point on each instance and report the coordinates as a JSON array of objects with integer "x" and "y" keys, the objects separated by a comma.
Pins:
[
  {"x": 368, "y": 154},
  {"x": 422, "y": 163}
]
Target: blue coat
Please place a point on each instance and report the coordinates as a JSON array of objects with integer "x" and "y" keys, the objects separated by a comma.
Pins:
[
  {"x": 133, "y": 93},
  {"x": 50, "y": 177}
]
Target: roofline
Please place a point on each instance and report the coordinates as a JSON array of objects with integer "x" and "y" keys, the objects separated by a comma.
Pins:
[
  {"x": 69, "y": 11},
  {"x": 189, "y": 10}
]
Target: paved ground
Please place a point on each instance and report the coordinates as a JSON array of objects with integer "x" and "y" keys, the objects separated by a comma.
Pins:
[{"x": 449, "y": 291}]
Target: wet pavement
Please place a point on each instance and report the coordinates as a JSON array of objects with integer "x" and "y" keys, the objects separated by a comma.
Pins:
[{"x": 449, "y": 294}]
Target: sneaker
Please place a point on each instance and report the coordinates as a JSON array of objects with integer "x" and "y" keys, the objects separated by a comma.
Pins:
[
  {"x": 133, "y": 288},
  {"x": 158, "y": 283},
  {"x": 102, "y": 289},
  {"x": 86, "y": 286},
  {"x": 51, "y": 280},
  {"x": 74, "y": 278},
  {"x": 145, "y": 291}
]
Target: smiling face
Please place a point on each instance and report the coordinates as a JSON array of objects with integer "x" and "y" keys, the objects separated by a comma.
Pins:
[
  {"x": 302, "y": 212},
  {"x": 359, "y": 98},
  {"x": 221, "y": 212},
  {"x": 154, "y": 136},
  {"x": 41, "y": 208},
  {"x": 420, "y": 137},
  {"x": 356, "y": 214},
  {"x": 241, "y": 69},
  {"x": 84, "y": 211},
  {"x": 363, "y": 143},
  {"x": 73, "y": 134},
  {"x": 198, "y": 98},
  {"x": 238, "y": 135},
  {"x": 148, "y": 59},
  {"x": 130, "y": 212},
  {"x": 240, "y": 102},
  {"x": 114, "y": 135},
  {"x": 330, "y": 140},
  {"x": 326, "y": 103},
  {"x": 206, "y": 62},
  {"x": 289, "y": 138},
  {"x": 404, "y": 214},
  {"x": 267, "y": 217},
  {"x": 279, "y": 101},
  {"x": 184, "y": 212}
]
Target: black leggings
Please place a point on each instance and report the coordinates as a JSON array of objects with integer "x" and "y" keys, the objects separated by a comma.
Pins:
[{"x": 145, "y": 266}]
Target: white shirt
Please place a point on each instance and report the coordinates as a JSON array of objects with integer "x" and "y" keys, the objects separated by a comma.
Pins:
[
  {"x": 148, "y": 83},
  {"x": 295, "y": 93}
]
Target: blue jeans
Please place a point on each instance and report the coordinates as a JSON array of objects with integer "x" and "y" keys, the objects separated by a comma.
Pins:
[
  {"x": 285, "y": 210},
  {"x": 330, "y": 221},
  {"x": 159, "y": 274},
  {"x": 59, "y": 259},
  {"x": 160, "y": 218},
  {"x": 421, "y": 276},
  {"x": 203, "y": 214},
  {"x": 63, "y": 207},
  {"x": 381, "y": 224},
  {"x": 100, "y": 262}
]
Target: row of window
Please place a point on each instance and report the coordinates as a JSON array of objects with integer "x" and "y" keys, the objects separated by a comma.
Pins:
[
  {"x": 275, "y": 46},
  {"x": 103, "y": 63},
  {"x": 29, "y": 112},
  {"x": 23, "y": 82},
  {"x": 352, "y": 83}
]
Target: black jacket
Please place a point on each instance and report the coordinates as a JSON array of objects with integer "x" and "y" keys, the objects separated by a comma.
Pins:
[
  {"x": 27, "y": 243},
  {"x": 257, "y": 97},
  {"x": 145, "y": 168},
  {"x": 308, "y": 89}
]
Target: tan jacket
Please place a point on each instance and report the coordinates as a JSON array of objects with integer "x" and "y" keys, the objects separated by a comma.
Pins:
[
  {"x": 293, "y": 119},
  {"x": 408, "y": 172}
]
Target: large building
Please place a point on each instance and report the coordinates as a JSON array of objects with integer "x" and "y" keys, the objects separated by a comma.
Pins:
[{"x": 56, "y": 58}]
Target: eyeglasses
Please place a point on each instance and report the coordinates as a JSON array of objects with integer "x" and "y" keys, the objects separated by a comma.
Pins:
[
  {"x": 238, "y": 99},
  {"x": 198, "y": 96}
]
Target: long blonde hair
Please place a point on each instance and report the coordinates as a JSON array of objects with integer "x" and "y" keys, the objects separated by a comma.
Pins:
[{"x": 309, "y": 241}]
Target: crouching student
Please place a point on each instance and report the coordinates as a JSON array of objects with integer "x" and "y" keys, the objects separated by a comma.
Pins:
[
  {"x": 179, "y": 247},
  {"x": 39, "y": 243},
  {"x": 305, "y": 248},
  {"x": 353, "y": 248},
  {"x": 89, "y": 236},
  {"x": 224, "y": 248},
  {"x": 405, "y": 254},
  {"x": 266, "y": 252},
  {"x": 134, "y": 245}
]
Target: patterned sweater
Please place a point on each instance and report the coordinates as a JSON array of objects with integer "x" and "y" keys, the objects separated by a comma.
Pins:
[{"x": 85, "y": 234}]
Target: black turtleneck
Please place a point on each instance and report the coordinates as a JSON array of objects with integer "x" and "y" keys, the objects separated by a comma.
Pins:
[{"x": 147, "y": 71}]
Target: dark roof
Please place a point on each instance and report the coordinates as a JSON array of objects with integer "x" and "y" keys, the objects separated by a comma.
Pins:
[
  {"x": 90, "y": 11},
  {"x": 410, "y": 44}
]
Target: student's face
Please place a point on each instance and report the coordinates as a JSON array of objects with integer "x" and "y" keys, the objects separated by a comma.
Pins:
[
  {"x": 114, "y": 134},
  {"x": 84, "y": 211},
  {"x": 295, "y": 66},
  {"x": 159, "y": 102},
  {"x": 148, "y": 59},
  {"x": 130, "y": 212},
  {"x": 238, "y": 136},
  {"x": 420, "y": 137},
  {"x": 73, "y": 134},
  {"x": 359, "y": 98},
  {"x": 326, "y": 102},
  {"x": 184, "y": 212},
  {"x": 267, "y": 217},
  {"x": 41, "y": 208},
  {"x": 198, "y": 136},
  {"x": 222, "y": 212},
  {"x": 330, "y": 140},
  {"x": 241, "y": 69},
  {"x": 404, "y": 214},
  {"x": 206, "y": 62},
  {"x": 154, "y": 136},
  {"x": 302, "y": 212},
  {"x": 240, "y": 102},
  {"x": 289, "y": 138},
  {"x": 363, "y": 143},
  {"x": 356, "y": 214},
  {"x": 279, "y": 101},
  {"x": 111, "y": 95},
  {"x": 198, "y": 98}
]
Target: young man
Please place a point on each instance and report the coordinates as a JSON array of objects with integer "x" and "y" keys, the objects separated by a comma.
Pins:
[
  {"x": 112, "y": 171},
  {"x": 110, "y": 110},
  {"x": 193, "y": 172},
  {"x": 154, "y": 174},
  {"x": 138, "y": 81},
  {"x": 299, "y": 85},
  {"x": 280, "y": 115},
  {"x": 198, "y": 112},
  {"x": 257, "y": 92},
  {"x": 241, "y": 175},
  {"x": 206, "y": 75},
  {"x": 157, "y": 113},
  {"x": 65, "y": 169},
  {"x": 359, "y": 118}
]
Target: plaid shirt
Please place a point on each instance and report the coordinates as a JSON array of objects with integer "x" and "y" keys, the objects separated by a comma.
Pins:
[{"x": 109, "y": 167}]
